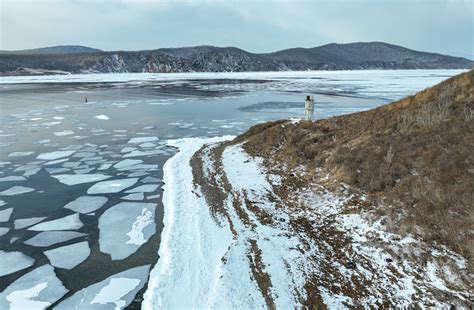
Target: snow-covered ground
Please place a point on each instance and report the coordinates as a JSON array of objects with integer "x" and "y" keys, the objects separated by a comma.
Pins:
[{"x": 258, "y": 250}]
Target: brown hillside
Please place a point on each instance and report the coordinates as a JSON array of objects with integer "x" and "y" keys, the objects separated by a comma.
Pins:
[{"x": 414, "y": 157}]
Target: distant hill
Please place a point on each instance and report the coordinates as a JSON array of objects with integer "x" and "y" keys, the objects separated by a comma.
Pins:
[
  {"x": 353, "y": 56},
  {"x": 60, "y": 49}
]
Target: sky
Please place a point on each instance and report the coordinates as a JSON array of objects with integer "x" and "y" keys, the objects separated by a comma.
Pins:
[{"x": 441, "y": 26}]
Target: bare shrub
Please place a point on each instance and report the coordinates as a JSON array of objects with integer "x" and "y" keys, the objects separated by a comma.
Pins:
[
  {"x": 468, "y": 113},
  {"x": 404, "y": 122},
  {"x": 432, "y": 114}
]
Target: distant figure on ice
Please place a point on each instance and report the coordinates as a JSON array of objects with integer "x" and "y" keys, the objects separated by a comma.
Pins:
[
  {"x": 309, "y": 108},
  {"x": 86, "y": 100}
]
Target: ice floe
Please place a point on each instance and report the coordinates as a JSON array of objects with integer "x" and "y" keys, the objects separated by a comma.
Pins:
[
  {"x": 148, "y": 188},
  {"x": 12, "y": 178},
  {"x": 127, "y": 163},
  {"x": 20, "y": 154},
  {"x": 22, "y": 223},
  {"x": 135, "y": 196},
  {"x": 142, "y": 140},
  {"x": 47, "y": 238},
  {"x": 137, "y": 225},
  {"x": 102, "y": 117},
  {"x": 115, "y": 292},
  {"x": 2, "y": 203},
  {"x": 4, "y": 231},
  {"x": 63, "y": 133},
  {"x": 74, "y": 179},
  {"x": 16, "y": 190},
  {"x": 13, "y": 262},
  {"x": 69, "y": 222},
  {"x": 38, "y": 289},
  {"x": 112, "y": 186},
  {"x": 86, "y": 204},
  {"x": 55, "y": 155},
  {"x": 69, "y": 256},
  {"x": 5, "y": 215}
]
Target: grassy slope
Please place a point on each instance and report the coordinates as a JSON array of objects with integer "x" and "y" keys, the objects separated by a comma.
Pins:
[{"x": 414, "y": 157}]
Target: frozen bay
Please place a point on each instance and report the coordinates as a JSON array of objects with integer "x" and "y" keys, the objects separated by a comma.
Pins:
[{"x": 82, "y": 167}]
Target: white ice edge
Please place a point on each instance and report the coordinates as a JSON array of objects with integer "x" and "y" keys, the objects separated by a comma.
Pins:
[
  {"x": 163, "y": 277},
  {"x": 129, "y": 77}
]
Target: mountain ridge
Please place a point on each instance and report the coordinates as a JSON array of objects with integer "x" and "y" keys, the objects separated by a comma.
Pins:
[{"x": 207, "y": 58}]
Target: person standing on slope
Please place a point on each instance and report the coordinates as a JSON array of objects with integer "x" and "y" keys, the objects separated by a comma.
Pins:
[{"x": 309, "y": 108}]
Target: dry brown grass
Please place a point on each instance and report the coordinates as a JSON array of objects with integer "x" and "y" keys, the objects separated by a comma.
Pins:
[{"x": 415, "y": 157}]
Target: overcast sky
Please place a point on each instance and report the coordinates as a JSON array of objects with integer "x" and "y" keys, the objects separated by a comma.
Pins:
[{"x": 444, "y": 26}]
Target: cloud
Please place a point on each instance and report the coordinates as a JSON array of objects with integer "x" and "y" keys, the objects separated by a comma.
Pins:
[{"x": 255, "y": 25}]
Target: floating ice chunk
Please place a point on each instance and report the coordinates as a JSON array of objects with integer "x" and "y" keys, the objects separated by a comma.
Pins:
[
  {"x": 137, "y": 225},
  {"x": 127, "y": 163},
  {"x": 153, "y": 196},
  {"x": 16, "y": 190},
  {"x": 141, "y": 153},
  {"x": 84, "y": 154},
  {"x": 13, "y": 178},
  {"x": 71, "y": 164},
  {"x": 115, "y": 292},
  {"x": 69, "y": 222},
  {"x": 137, "y": 174},
  {"x": 69, "y": 256},
  {"x": 143, "y": 189},
  {"x": 84, "y": 171},
  {"x": 22, "y": 223},
  {"x": 38, "y": 289},
  {"x": 102, "y": 117},
  {"x": 58, "y": 117},
  {"x": 87, "y": 204},
  {"x": 4, "y": 231},
  {"x": 150, "y": 180},
  {"x": 43, "y": 141},
  {"x": 5, "y": 214},
  {"x": 57, "y": 170},
  {"x": 20, "y": 154},
  {"x": 2, "y": 203},
  {"x": 128, "y": 149},
  {"x": 136, "y": 196},
  {"x": 55, "y": 155},
  {"x": 112, "y": 186},
  {"x": 13, "y": 262},
  {"x": 54, "y": 162},
  {"x": 147, "y": 145},
  {"x": 47, "y": 238},
  {"x": 30, "y": 172},
  {"x": 104, "y": 166},
  {"x": 142, "y": 140},
  {"x": 74, "y": 179},
  {"x": 63, "y": 133}
]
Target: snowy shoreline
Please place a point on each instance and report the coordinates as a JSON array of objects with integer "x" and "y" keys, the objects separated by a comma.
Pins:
[{"x": 172, "y": 282}]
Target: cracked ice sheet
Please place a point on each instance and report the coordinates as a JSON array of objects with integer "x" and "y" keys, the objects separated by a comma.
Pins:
[
  {"x": 37, "y": 289},
  {"x": 86, "y": 204},
  {"x": 137, "y": 225},
  {"x": 69, "y": 222},
  {"x": 112, "y": 186},
  {"x": 13, "y": 178},
  {"x": 16, "y": 190},
  {"x": 116, "y": 291},
  {"x": 69, "y": 256},
  {"x": 13, "y": 262},
  {"x": 47, "y": 238},
  {"x": 190, "y": 273},
  {"x": 74, "y": 179}
]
